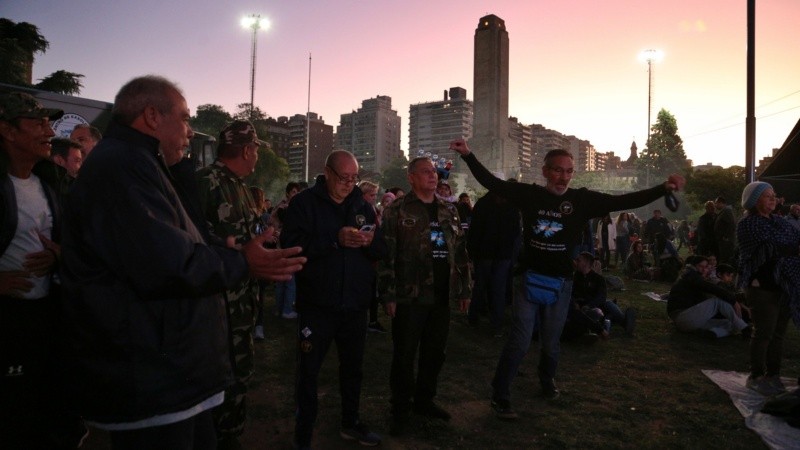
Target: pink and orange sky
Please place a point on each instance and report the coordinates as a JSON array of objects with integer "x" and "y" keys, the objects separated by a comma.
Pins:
[{"x": 574, "y": 65}]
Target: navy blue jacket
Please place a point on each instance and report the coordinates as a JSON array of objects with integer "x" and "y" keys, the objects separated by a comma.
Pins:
[
  {"x": 146, "y": 330},
  {"x": 334, "y": 276}
]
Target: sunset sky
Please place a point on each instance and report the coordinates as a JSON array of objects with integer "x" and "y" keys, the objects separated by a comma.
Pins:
[{"x": 574, "y": 65}]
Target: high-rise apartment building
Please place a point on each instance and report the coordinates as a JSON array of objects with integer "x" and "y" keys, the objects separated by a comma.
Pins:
[
  {"x": 372, "y": 134},
  {"x": 490, "y": 130},
  {"x": 433, "y": 125},
  {"x": 320, "y": 144},
  {"x": 521, "y": 135}
]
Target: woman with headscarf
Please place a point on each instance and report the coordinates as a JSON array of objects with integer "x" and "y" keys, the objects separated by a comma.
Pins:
[{"x": 769, "y": 271}]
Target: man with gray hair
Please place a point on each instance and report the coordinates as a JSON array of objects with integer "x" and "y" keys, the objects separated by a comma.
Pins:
[{"x": 146, "y": 339}]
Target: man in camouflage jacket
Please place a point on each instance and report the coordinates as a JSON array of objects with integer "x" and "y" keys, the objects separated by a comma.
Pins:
[
  {"x": 426, "y": 268},
  {"x": 232, "y": 216}
]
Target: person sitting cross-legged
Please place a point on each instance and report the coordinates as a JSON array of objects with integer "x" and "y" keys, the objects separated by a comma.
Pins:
[
  {"x": 694, "y": 302},
  {"x": 589, "y": 292}
]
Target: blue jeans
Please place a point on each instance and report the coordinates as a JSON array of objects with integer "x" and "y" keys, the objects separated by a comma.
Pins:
[
  {"x": 285, "y": 295},
  {"x": 491, "y": 276},
  {"x": 524, "y": 316}
]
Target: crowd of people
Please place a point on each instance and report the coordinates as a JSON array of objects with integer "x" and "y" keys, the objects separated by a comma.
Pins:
[{"x": 154, "y": 275}]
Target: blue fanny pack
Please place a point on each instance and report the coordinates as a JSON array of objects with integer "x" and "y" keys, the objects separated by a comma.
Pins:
[{"x": 542, "y": 289}]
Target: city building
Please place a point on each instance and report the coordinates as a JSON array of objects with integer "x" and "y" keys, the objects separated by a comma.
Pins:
[
  {"x": 490, "y": 131},
  {"x": 432, "y": 125},
  {"x": 521, "y": 135},
  {"x": 372, "y": 134},
  {"x": 320, "y": 145}
]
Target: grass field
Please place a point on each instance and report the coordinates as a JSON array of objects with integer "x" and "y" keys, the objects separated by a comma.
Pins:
[{"x": 623, "y": 393}]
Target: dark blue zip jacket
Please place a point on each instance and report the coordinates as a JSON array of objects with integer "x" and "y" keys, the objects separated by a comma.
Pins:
[{"x": 334, "y": 277}]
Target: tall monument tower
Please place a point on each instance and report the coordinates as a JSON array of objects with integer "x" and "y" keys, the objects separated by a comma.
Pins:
[{"x": 490, "y": 134}]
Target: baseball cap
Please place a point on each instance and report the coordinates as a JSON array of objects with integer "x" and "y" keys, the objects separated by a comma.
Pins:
[
  {"x": 239, "y": 132},
  {"x": 19, "y": 104}
]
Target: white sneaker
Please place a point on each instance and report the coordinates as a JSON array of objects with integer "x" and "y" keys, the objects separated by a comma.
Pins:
[
  {"x": 290, "y": 315},
  {"x": 258, "y": 333}
]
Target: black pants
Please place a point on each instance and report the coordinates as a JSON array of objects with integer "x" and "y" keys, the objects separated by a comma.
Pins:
[
  {"x": 770, "y": 319},
  {"x": 194, "y": 433},
  {"x": 317, "y": 329},
  {"x": 426, "y": 328},
  {"x": 34, "y": 411}
]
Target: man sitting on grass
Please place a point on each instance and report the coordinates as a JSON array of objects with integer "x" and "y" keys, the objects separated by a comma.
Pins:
[
  {"x": 589, "y": 292},
  {"x": 694, "y": 302}
]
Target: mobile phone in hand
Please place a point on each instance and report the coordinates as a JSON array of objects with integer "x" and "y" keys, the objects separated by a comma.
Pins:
[{"x": 367, "y": 228}]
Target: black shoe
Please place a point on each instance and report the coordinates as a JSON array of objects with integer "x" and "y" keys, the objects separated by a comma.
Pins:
[
  {"x": 361, "y": 433},
  {"x": 630, "y": 321},
  {"x": 432, "y": 410},
  {"x": 549, "y": 389},
  {"x": 503, "y": 410}
]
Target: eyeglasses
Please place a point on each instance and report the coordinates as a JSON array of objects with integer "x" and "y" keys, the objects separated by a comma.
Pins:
[
  {"x": 345, "y": 180},
  {"x": 561, "y": 170}
]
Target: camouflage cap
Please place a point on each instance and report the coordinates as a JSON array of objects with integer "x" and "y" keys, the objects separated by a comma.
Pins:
[
  {"x": 19, "y": 104},
  {"x": 238, "y": 132}
]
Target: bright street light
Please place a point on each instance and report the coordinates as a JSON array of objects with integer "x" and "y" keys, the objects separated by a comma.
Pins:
[
  {"x": 650, "y": 56},
  {"x": 254, "y": 22}
]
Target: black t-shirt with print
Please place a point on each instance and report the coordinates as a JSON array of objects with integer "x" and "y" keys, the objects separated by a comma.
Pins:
[
  {"x": 552, "y": 224},
  {"x": 439, "y": 253}
]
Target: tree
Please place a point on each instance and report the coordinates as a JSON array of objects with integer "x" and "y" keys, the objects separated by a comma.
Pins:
[
  {"x": 19, "y": 42},
  {"x": 271, "y": 174},
  {"x": 210, "y": 119},
  {"x": 243, "y": 113},
  {"x": 395, "y": 174},
  {"x": 62, "y": 82},
  {"x": 664, "y": 153},
  {"x": 602, "y": 181},
  {"x": 704, "y": 185}
]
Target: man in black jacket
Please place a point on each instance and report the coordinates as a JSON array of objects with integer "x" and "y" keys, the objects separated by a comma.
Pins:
[
  {"x": 146, "y": 341},
  {"x": 694, "y": 302},
  {"x": 337, "y": 230},
  {"x": 33, "y": 407}
]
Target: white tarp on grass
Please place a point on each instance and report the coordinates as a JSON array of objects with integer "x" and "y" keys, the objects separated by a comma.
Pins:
[{"x": 774, "y": 431}]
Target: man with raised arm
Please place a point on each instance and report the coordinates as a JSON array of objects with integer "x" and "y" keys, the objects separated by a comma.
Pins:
[{"x": 553, "y": 218}]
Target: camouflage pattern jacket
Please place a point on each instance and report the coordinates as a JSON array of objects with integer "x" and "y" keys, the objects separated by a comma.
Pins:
[{"x": 406, "y": 276}]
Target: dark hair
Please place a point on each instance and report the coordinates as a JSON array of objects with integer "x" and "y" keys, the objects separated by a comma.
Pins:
[
  {"x": 395, "y": 189},
  {"x": 292, "y": 185},
  {"x": 462, "y": 195},
  {"x": 721, "y": 199},
  {"x": 62, "y": 146},
  {"x": 586, "y": 256},
  {"x": 413, "y": 163},
  {"x": 725, "y": 268},
  {"x": 696, "y": 259},
  {"x": 93, "y": 131}
]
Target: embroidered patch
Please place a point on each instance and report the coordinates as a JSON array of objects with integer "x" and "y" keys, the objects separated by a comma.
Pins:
[
  {"x": 305, "y": 346},
  {"x": 409, "y": 222},
  {"x": 305, "y": 332},
  {"x": 360, "y": 220},
  {"x": 565, "y": 208}
]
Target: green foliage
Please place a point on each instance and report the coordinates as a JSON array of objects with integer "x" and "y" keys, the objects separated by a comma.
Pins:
[
  {"x": 601, "y": 181},
  {"x": 664, "y": 153},
  {"x": 704, "y": 185},
  {"x": 62, "y": 82},
  {"x": 271, "y": 172},
  {"x": 243, "y": 113},
  {"x": 395, "y": 174},
  {"x": 19, "y": 42},
  {"x": 210, "y": 119}
]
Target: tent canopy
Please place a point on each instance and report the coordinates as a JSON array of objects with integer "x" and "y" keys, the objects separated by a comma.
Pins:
[{"x": 783, "y": 173}]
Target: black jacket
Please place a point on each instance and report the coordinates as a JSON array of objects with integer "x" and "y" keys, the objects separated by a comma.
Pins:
[
  {"x": 494, "y": 229},
  {"x": 145, "y": 325},
  {"x": 691, "y": 289},
  {"x": 333, "y": 276}
]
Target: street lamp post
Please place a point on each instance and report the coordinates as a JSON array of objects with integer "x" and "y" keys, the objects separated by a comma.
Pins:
[
  {"x": 650, "y": 56},
  {"x": 254, "y": 22}
]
